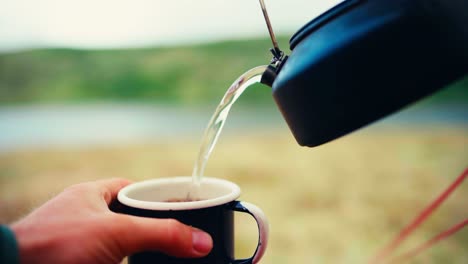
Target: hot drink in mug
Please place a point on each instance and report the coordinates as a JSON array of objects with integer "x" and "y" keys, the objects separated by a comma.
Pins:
[{"x": 212, "y": 212}]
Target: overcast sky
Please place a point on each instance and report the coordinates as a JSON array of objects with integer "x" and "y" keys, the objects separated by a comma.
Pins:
[{"x": 128, "y": 23}]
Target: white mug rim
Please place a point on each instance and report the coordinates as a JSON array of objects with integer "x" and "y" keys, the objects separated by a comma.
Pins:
[{"x": 177, "y": 206}]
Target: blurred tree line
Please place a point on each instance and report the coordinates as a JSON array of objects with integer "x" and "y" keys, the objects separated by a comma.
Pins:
[{"x": 180, "y": 74}]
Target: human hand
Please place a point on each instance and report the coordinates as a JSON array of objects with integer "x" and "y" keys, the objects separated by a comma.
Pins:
[{"x": 77, "y": 226}]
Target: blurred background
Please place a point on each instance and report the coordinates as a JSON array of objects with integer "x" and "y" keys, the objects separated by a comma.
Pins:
[{"x": 98, "y": 89}]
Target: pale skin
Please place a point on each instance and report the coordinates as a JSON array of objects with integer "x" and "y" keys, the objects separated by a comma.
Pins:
[{"x": 77, "y": 226}]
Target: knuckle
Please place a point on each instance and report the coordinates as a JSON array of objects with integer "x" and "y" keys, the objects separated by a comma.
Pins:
[
  {"x": 80, "y": 187},
  {"x": 177, "y": 232},
  {"x": 119, "y": 179}
]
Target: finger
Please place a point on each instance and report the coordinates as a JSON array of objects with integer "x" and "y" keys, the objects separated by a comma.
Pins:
[
  {"x": 109, "y": 188},
  {"x": 135, "y": 234}
]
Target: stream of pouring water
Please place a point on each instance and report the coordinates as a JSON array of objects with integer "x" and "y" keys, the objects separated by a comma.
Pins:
[{"x": 215, "y": 126}]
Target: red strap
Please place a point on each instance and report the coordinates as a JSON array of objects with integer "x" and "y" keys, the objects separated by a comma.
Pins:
[
  {"x": 429, "y": 243},
  {"x": 405, "y": 232}
]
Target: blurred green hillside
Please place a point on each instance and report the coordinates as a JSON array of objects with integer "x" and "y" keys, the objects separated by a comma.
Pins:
[{"x": 182, "y": 74}]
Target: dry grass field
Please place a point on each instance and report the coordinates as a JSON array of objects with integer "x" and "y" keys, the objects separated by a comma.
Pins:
[{"x": 337, "y": 203}]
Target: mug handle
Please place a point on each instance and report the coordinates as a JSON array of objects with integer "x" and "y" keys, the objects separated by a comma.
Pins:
[{"x": 263, "y": 230}]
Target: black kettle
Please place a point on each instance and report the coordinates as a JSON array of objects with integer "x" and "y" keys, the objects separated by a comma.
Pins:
[{"x": 364, "y": 59}]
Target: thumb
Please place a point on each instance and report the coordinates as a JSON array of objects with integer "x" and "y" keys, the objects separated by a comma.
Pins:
[{"x": 135, "y": 234}]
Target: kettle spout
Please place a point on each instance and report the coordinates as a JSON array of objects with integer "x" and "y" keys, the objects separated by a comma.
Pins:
[
  {"x": 269, "y": 76},
  {"x": 273, "y": 69}
]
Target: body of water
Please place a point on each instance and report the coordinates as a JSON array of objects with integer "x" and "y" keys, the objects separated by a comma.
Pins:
[
  {"x": 42, "y": 126},
  {"x": 39, "y": 126}
]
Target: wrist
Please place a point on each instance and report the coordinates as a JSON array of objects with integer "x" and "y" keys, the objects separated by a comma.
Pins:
[{"x": 30, "y": 244}]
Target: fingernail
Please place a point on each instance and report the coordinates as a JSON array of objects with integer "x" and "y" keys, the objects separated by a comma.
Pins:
[{"x": 201, "y": 241}]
